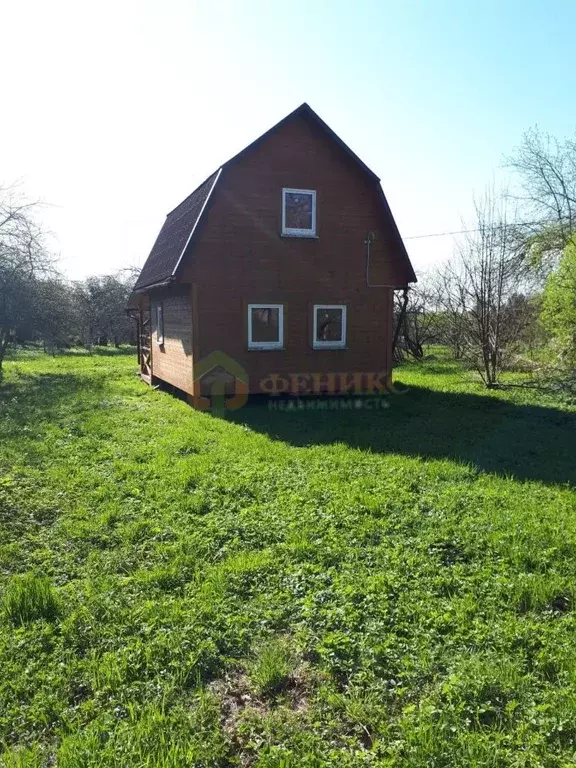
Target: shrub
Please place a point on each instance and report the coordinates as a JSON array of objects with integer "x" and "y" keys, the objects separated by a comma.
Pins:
[{"x": 30, "y": 597}]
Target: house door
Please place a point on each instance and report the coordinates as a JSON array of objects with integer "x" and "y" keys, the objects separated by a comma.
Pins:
[{"x": 145, "y": 339}]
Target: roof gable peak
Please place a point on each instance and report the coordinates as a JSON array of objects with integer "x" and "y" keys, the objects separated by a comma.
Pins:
[
  {"x": 182, "y": 222},
  {"x": 305, "y": 110}
]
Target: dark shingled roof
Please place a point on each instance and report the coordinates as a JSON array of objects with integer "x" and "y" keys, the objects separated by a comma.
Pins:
[{"x": 174, "y": 236}]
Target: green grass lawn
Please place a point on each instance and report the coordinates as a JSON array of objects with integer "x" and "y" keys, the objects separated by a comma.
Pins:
[{"x": 284, "y": 589}]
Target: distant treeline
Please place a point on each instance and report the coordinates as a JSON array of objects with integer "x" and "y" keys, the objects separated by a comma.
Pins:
[{"x": 37, "y": 304}]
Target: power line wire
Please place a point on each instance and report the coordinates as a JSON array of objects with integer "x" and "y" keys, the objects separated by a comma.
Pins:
[
  {"x": 467, "y": 231},
  {"x": 441, "y": 234}
]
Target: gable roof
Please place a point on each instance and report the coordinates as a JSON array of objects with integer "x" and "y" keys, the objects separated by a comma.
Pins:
[
  {"x": 304, "y": 110},
  {"x": 181, "y": 223},
  {"x": 170, "y": 245}
]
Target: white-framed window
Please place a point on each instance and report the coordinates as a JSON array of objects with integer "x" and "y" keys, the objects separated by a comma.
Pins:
[
  {"x": 160, "y": 324},
  {"x": 265, "y": 326},
  {"x": 299, "y": 212},
  {"x": 329, "y": 326}
]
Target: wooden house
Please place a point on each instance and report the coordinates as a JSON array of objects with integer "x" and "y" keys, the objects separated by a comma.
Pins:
[{"x": 278, "y": 270}]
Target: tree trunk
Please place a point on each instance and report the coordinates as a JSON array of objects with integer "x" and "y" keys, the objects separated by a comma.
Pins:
[{"x": 4, "y": 339}]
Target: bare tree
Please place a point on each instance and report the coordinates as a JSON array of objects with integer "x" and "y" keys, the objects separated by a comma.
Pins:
[
  {"x": 418, "y": 321},
  {"x": 54, "y": 322},
  {"x": 100, "y": 309},
  {"x": 23, "y": 262},
  {"x": 547, "y": 172},
  {"x": 477, "y": 289}
]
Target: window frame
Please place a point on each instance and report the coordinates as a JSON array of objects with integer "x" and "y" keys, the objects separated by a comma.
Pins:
[
  {"x": 329, "y": 344},
  {"x": 160, "y": 325},
  {"x": 294, "y": 231},
  {"x": 264, "y": 345}
]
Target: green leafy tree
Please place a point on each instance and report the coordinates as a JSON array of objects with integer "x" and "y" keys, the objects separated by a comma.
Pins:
[{"x": 559, "y": 305}]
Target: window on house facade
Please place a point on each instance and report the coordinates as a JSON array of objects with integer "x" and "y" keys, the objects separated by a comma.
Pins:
[
  {"x": 160, "y": 324},
  {"x": 265, "y": 326},
  {"x": 299, "y": 212},
  {"x": 329, "y": 326}
]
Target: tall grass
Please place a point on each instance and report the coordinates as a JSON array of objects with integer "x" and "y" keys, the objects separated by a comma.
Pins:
[
  {"x": 30, "y": 597},
  {"x": 273, "y": 664}
]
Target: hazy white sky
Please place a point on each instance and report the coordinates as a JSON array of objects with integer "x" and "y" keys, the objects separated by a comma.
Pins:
[{"x": 113, "y": 112}]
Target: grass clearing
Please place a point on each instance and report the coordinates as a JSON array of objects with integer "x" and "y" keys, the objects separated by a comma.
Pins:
[{"x": 421, "y": 560}]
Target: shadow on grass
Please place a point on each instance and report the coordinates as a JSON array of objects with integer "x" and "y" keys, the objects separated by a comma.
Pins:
[
  {"x": 526, "y": 442},
  {"x": 35, "y": 398}
]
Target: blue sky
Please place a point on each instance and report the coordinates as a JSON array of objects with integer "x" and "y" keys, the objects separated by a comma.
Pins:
[{"x": 117, "y": 110}]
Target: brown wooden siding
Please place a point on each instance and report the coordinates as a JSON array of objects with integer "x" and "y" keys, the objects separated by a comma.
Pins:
[
  {"x": 172, "y": 361},
  {"x": 240, "y": 258}
]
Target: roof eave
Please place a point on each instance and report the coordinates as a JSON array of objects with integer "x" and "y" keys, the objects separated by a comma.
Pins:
[
  {"x": 392, "y": 223},
  {"x": 160, "y": 284}
]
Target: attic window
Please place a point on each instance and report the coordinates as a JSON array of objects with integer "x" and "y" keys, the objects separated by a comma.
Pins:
[
  {"x": 329, "y": 326},
  {"x": 265, "y": 326},
  {"x": 299, "y": 212}
]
